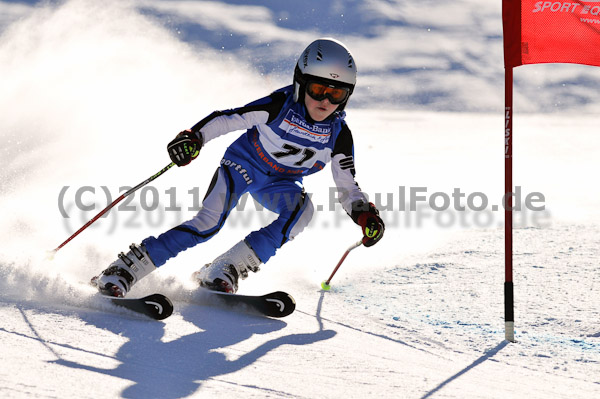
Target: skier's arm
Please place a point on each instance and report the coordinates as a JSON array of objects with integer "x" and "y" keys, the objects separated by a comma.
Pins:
[
  {"x": 351, "y": 197},
  {"x": 258, "y": 112},
  {"x": 342, "y": 167},
  {"x": 186, "y": 146}
]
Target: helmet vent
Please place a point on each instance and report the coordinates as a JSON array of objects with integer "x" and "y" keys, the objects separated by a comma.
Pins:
[{"x": 305, "y": 58}]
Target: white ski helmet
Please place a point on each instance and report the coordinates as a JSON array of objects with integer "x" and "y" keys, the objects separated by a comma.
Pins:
[{"x": 326, "y": 61}]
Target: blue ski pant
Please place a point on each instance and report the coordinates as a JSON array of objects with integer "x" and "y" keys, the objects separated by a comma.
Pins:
[{"x": 236, "y": 176}]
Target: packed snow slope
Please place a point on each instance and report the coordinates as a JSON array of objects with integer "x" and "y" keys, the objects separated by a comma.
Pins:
[{"x": 91, "y": 93}]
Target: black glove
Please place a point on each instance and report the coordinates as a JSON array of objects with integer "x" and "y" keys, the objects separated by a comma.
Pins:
[
  {"x": 367, "y": 217},
  {"x": 185, "y": 147}
]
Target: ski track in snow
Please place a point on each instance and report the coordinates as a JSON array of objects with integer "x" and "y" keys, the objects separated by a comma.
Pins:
[
  {"x": 420, "y": 315},
  {"x": 370, "y": 332}
]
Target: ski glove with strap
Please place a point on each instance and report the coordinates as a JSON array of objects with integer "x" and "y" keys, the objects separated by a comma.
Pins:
[
  {"x": 185, "y": 147},
  {"x": 367, "y": 217}
]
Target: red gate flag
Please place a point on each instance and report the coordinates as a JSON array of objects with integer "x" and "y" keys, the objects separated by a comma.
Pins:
[{"x": 537, "y": 32}]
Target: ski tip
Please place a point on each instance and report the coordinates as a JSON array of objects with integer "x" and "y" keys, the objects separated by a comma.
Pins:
[
  {"x": 274, "y": 304},
  {"x": 282, "y": 304},
  {"x": 162, "y": 305},
  {"x": 155, "y": 306}
]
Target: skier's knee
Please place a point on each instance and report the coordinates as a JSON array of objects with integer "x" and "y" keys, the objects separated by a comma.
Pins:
[{"x": 304, "y": 219}]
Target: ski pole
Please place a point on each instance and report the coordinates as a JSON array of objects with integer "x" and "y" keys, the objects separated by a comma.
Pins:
[
  {"x": 325, "y": 284},
  {"x": 115, "y": 202}
]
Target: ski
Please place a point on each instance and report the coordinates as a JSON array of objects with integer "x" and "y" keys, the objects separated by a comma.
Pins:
[
  {"x": 275, "y": 304},
  {"x": 156, "y": 306}
]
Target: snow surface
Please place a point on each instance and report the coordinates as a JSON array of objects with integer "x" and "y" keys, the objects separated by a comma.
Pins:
[{"x": 91, "y": 93}]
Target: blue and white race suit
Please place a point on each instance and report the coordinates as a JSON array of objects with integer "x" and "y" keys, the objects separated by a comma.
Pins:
[{"x": 280, "y": 146}]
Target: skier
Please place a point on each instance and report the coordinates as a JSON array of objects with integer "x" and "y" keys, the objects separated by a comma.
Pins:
[{"x": 291, "y": 133}]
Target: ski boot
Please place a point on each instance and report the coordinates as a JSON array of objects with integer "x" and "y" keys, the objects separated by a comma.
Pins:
[
  {"x": 124, "y": 272},
  {"x": 223, "y": 273}
]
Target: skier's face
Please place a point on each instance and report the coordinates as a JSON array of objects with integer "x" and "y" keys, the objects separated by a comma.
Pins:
[{"x": 319, "y": 110}]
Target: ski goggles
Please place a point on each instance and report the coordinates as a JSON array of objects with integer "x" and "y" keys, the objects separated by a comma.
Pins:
[{"x": 318, "y": 91}]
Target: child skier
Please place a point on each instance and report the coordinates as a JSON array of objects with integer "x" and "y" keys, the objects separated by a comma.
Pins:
[{"x": 291, "y": 133}]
